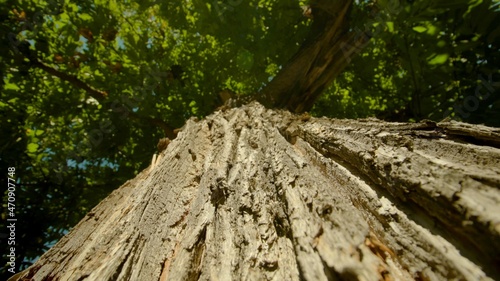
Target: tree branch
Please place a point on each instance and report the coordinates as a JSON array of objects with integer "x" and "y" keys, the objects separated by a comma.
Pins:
[
  {"x": 167, "y": 129},
  {"x": 97, "y": 94},
  {"x": 72, "y": 79},
  {"x": 327, "y": 51}
]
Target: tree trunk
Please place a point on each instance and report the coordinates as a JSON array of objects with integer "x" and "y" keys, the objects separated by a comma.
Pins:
[
  {"x": 258, "y": 194},
  {"x": 328, "y": 49}
]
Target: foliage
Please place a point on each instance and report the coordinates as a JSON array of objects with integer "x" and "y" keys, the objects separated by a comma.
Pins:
[
  {"x": 89, "y": 87},
  {"x": 427, "y": 59}
]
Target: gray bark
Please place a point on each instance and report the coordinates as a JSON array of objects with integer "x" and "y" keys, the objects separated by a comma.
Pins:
[{"x": 257, "y": 194}]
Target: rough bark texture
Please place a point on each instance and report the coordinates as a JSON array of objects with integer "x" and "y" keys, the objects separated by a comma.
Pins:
[{"x": 256, "y": 194}]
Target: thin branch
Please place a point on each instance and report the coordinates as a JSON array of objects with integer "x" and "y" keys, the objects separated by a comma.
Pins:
[
  {"x": 97, "y": 94},
  {"x": 167, "y": 129},
  {"x": 72, "y": 79}
]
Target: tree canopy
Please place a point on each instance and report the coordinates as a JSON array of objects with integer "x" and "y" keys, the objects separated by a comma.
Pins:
[{"x": 89, "y": 88}]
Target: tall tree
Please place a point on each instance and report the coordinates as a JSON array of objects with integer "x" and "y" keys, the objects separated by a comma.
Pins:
[
  {"x": 88, "y": 89},
  {"x": 257, "y": 194}
]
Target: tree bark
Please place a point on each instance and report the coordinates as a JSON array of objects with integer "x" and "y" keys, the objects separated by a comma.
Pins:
[
  {"x": 328, "y": 49},
  {"x": 257, "y": 194}
]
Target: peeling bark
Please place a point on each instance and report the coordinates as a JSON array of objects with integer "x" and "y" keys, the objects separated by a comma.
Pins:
[{"x": 257, "y": 194}]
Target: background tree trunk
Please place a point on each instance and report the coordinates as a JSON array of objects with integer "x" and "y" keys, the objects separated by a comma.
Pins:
[
  {"x": 329, "y": 48},
  {"x": 258, "y": 194}
]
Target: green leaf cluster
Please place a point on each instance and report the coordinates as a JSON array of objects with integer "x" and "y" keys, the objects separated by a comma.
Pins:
[{"x": 426, "y": 60}]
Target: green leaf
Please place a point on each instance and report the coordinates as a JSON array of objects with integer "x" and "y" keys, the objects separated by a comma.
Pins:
[
  {"x": 11, "y": 86},
  {"x": 438, "y": 59},
  {"x": 432, "y": 29},
  {"x": 244, "y": 59},
  {"x": 390, "y": 26},
  {"x": 85, "y": 17},
  {"x": 420, "y": 29},
  {"x": 32, "y": 147}
]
